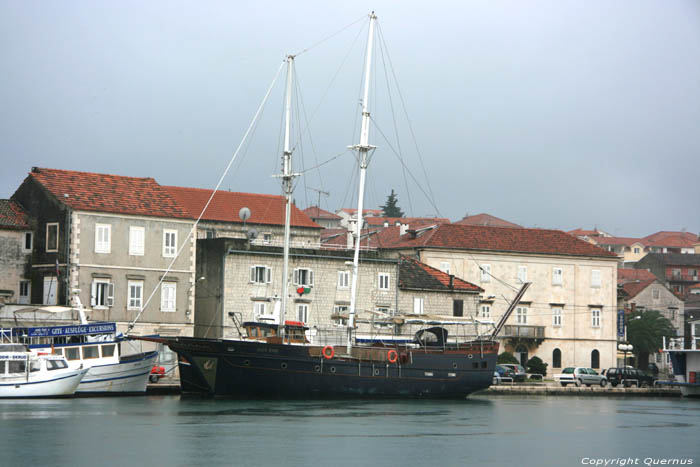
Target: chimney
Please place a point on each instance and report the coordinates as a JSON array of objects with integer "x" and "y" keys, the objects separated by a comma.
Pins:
[
  {"x": 452, "y": 281},
  {"x": 411, "y": 232},
  {"x": 403, "y": 228}
]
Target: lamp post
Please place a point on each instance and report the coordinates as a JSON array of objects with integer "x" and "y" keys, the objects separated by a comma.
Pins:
[{"x": 625, "y": 348}]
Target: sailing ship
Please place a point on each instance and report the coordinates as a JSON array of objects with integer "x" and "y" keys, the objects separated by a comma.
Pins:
[{"x": 276, "y": 359}]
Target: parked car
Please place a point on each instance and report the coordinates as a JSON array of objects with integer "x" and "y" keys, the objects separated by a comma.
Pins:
[
  {"x": 519, "y": 373},
  {"x": 629, "y": 377},
  {"x": 502, "y": 374},
  {"x": 579, "y": 376}
]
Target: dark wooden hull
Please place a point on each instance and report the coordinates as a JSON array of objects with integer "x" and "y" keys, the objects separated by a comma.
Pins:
[{"x": 243, "y": 368}]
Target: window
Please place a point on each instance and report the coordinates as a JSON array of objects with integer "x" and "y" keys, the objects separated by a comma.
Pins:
[
  {"x": 556, "y": 317},
  {"x": 556, "y": 358},
  {"x": 595, "y": 278},
  {"x": 259, "y": 309},
  {"x": 522, "y": 274},
  {"x": 103, "y": 236},
  {"x": 485, "y": 311},
  {"x": 343, "y": 279},
  {"x": 383, "y": 281},
  {"x": 260, "y": 274},
  {"x": 102, "y": 293},
  {"x": 339, "y": 310},
  {"x": 595, "y": 317},
  {"x": 72, "y": 353},
  {"x": 304, "y": 277},
  {"x": 485, "y": 272},
  {"x": 209, "y": 234},
  {"x": 25, "y": 288},
  {"x": 28, "y": 242},
  {"x": 636, "y": 251},
  {"x": 655, "y": 294},
  {"x": 595, "y": 359},
  {"x": 557, "y": 276},
  {"x": 137, "y": 237},
  {"x": 168, "y": 296},
  {"x": 108, "y": 350},
  {"x": 417, "y": 305},
  {"x": 445, "y": 267},
  {"x": 169, "y": 243},
  {"x": 52, "y": 237},
  {"x": 135, "y": 298},
  {"x": 91, "y": 351},
  {"x": 302, "y": 312},
  {"x": 50, "y": 290},
  {"x": 457, "y": 307},
  {"x": 521, "y": 315},
  {"x": 267, "y": 238}
]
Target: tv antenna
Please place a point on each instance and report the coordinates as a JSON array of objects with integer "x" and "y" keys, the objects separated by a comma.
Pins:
[{"x": 320, "y": 192}]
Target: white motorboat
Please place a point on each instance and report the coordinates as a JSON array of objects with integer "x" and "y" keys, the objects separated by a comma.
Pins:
[{"x": 26, "y": 374}]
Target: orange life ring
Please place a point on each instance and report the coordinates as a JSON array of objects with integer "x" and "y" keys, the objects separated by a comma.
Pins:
[
  {"x": 392, "y": 356},
  {"x": 328, "y": 352}
]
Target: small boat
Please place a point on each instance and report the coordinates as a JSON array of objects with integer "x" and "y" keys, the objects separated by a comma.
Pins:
[
  {"x": 25, "y": 374},
  {"x": 94, "y": 346},
  {"x": 686, "y": 366}
]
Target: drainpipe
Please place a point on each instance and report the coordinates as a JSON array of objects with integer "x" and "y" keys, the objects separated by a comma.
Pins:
[{"x": 67, "y": 254}]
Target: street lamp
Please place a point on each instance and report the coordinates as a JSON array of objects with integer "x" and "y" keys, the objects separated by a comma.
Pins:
[{"x": 625, "y": 348}]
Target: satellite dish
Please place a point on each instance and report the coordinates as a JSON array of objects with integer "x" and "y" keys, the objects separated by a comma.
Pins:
[
  {"x": 252, "y": 234},
  {"x": 244, "y": 214}
]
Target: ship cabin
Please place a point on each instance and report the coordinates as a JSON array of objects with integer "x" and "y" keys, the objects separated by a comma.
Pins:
[{"x": 294, "y": 332}]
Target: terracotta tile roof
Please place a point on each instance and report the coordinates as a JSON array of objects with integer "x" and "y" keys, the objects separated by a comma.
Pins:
[
  {"x": 672, "y": 239},
  {"x": 378, "y": 237},
  {"x": 635, "y": 287},
  {"x": 109, "y": 193},
  {"x": 518, "y": 240},
  {"x": 315, "y": 212},
  {"x": 265, "y": 209},
  {"x": 626, "y": 275},
  {"x": 626, "y": 241},
  {"x": 485, "y": 219},
  {"x": 411, "y": 221},
  {"x": 416, "y": 275},
  {"x": 673, "y": 259},
  {"x": 13, "y": 216}
]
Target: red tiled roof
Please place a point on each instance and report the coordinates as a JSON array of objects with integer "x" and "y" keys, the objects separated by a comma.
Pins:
[
  {"x": 672, "y": 239},
  {"x": 635, "y": 287},
  {"x": 416, "y": 275},
  {"x": 411, "y": 221},
  {"x": 485, "y": 219},
  {"x": 13, "y": 216},
  {"x": 627, "y": 241},
  {"x": 315, "y": 212},
  {"x": 265, "y": 209},
  {"x": 626, "y": 275},
  {"x": 519, "y": 240},
  {"x": 117, "y": 194}
]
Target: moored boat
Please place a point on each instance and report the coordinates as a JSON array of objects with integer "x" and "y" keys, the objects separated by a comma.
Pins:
[
  {"x": 685, "y": 362},
  {"x": 25, "y": 374}
]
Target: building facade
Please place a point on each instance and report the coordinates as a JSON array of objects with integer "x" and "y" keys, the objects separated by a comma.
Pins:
[{"x": 16, "y": 245}]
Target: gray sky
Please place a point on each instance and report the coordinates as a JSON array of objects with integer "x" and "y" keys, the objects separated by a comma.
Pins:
[{"x": 557, "y": 114}]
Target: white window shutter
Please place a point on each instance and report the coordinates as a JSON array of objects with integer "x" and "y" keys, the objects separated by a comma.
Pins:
[
  {"x": 296, "y": 277},
  {"x": 252, "y": 274},
  {"x": 93, "y": 294},
  {"x": 268, "y": 274},
  {"x": 311, "y": 277},
  {"x": 110, "y": 294}
]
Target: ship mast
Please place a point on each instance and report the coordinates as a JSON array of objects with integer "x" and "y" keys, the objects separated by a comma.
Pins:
[
  {"x": 287, "y": 186},
  {"x": 363, "y": 150}
]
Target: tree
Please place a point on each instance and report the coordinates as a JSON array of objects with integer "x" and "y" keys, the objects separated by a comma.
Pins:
[
  {"x": 390, "y": 209},
  {"x": 536, "y": 366},
  {"x": 507, "y": 357},
  {"x": 645, "y": 331}
]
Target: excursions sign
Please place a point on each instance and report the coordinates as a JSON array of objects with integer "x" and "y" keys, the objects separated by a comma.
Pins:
[{"x": 75, "y": 330}]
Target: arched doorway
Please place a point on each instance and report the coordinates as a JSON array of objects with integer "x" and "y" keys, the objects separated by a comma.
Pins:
[
  {"x": 521, "y": 355},
  {"x": 595, "y": 359},
  {"x": 556, "y": 358}
]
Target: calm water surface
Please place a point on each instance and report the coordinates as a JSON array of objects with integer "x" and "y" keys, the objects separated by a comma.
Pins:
[{"x": 484, "y": 430}]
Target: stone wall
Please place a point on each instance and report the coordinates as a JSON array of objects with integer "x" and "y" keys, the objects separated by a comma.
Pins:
[{"x": 14, "y": 264}]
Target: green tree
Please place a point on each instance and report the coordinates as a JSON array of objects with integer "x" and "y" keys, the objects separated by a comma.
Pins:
[
  {"x": 390, "y": 209},
  {"x": 507, "y": 357},
  {"x": 537, "y": 366},
  {"x": 645, "y": 331}
]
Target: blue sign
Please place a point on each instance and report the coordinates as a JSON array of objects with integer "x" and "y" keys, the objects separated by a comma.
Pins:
[
  {"x": 81, "y": 329},
  {"x": 620, "y": 323}
]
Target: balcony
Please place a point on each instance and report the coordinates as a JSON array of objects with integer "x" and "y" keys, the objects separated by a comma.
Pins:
[
  {"x": 523, "y": 332},
  {"x": 682, "y": 278}
]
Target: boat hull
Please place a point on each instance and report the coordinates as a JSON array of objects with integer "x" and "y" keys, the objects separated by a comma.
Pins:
[
  {"x": 130, "y": 375},
  {"x": 252, "y": 369},
  {"x": 60, "y": 385},
  {"x": 685, "y": 363}
]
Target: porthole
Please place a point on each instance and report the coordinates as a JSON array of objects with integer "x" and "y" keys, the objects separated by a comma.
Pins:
[
  {"x": 470, "y": 356},
  {"x": 332, "y": 369},
  {"x": 376, "y": 372},
  {"x": 246, "y": 362},
  {"x": 317, "y": 368},
  {"x": 284, "y": 365},
  {"x": 454, "y": 365}
]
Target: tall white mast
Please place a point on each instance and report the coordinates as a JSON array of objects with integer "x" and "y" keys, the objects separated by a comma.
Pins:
[
  {"x": 363, "y": 154},
  {"x": 287, "y": 182}
]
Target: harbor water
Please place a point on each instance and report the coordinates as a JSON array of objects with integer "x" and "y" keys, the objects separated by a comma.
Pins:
[{"x": 482, "y": 430}]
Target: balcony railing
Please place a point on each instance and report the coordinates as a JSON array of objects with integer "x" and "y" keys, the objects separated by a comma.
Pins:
[
  {"x": 683, "y": 277},
  {"x": 531, "y": 332}
]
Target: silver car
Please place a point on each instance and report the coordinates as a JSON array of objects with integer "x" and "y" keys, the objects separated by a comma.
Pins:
[{"x": 580, "y": 375}]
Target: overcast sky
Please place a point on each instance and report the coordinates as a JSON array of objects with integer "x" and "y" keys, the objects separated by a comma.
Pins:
[{"x": 558, "y": 114}]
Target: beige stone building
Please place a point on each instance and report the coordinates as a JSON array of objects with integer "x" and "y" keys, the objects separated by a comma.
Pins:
[
  {"x": 568, "y": 315},
  {"x": 16, "y": 245}
]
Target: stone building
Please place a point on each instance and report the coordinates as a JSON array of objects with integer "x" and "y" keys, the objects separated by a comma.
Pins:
[
  {"x": 16, "y": 245},
  {"x": 325, "y": 219},
  {"x": 568, "y": 315},
  {"x": 113, "y": 242}
]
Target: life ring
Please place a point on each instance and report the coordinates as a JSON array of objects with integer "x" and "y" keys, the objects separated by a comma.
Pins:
[
  {"x": 392, "y": 356},
  {"x": 328, "y": 352}
]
